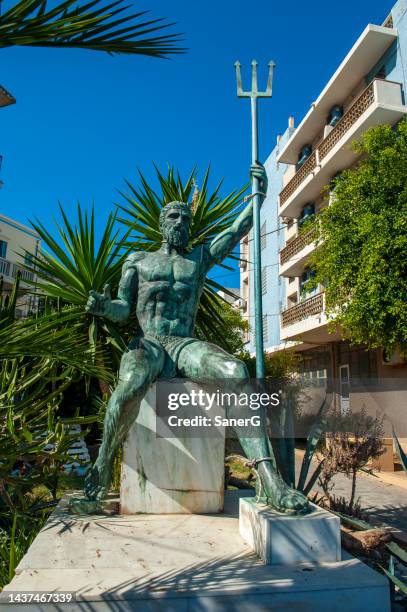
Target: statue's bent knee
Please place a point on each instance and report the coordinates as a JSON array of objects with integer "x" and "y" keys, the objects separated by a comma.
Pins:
[{"x": 238, "y": 370}]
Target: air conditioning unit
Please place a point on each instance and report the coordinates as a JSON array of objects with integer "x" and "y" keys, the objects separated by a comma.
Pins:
[{"x": 394, "y": 359}]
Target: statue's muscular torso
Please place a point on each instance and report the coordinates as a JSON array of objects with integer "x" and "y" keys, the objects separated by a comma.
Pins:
[{"x": 166, "y": 289}]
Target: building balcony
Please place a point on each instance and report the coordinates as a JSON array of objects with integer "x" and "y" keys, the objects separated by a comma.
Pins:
[
  {"x": 307, "y": 322},
  {"x": 9, "y": 271},
  {"x": 5, "y": 267},
  {"x": 365, "y": 53},
  {"x": 294, "y": 255},
  {"x": 310, "y": 307},
  {"x": 25, "y": 275},
  {"x": 380, "y": 103}
]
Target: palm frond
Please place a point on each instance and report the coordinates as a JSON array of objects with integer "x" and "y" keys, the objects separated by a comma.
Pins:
[
  {"x": 94, "y": 25},
  {"x": 69, "y": 267},
  {"x": 71, "y": 264},
  {"x": 56, "y": 337}
]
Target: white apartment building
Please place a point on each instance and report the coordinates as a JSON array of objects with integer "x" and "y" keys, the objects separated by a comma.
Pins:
[
  {"x": 350, "y": 103},
  {"x": 368, "y": 88},
  {"x": 17, "y": 244}
]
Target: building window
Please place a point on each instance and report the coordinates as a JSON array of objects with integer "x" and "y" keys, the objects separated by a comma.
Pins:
[
  {"x": 263, "y": 281},
  {"x": 28, "y": 259},
  {"x": 263, "y": 240},
  {"x": 306, "y": 276},
  {"x": 265, "y": 328},
  {"x": 3, "y": 249}
]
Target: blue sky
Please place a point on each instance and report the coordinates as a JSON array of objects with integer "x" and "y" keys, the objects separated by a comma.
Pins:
[{"x": 84, "y": 121}]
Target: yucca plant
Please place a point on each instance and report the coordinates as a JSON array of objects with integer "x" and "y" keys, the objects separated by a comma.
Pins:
[
  {"x": 73, "y": 263},
  {"x": 211, "y": 215},
  {"x": 15, "y": 540},
  {"x": 92, "y": 25}
]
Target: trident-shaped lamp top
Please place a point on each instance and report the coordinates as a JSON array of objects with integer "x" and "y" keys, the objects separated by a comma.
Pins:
[{"x": 254, "y": 93}]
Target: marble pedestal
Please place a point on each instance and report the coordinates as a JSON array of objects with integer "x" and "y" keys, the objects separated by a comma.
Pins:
[
  {"x": 170, "y": 475},
  {"x": 280, "y": 539}
]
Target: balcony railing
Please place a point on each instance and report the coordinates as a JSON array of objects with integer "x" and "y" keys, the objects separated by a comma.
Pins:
[
  {"x": 357, "y": 109},
  {"x": 388, "y": 23},
  {"x": 312, "y": 306},
  {"x": 25, "y": 275},
  {"x": 4, "y": 267},
  {"x": 296, "y": 245},
  {"x": 10, "y": 269},
  {"x": 298, "y": 177}
]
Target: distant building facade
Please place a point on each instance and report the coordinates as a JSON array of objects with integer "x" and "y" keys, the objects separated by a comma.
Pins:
[{"x": 18, "y": 243}]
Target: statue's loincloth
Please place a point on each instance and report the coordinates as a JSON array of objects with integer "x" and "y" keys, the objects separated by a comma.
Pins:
[{"x": 172, "y": 346}]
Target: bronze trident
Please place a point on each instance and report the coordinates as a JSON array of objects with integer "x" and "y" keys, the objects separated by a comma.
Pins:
[{"x": 258, "y": 306}]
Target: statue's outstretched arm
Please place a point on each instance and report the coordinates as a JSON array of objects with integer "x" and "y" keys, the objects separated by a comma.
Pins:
[
  {"x": 102, "y": 305},
  {"x": 225, "y": 242}
]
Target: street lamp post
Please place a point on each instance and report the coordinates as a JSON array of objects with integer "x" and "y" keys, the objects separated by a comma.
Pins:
[{"x": 258, "y": 315}]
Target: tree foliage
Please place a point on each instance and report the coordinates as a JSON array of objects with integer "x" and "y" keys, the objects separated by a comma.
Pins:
[
  {"x": 362, "y": 243},
  {"x": 232, "y": 323}
]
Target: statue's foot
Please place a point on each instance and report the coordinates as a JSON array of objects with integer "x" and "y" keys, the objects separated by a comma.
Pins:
[
  {"x": 97, "y": 482},
  {"x": 279, "y": 495}
]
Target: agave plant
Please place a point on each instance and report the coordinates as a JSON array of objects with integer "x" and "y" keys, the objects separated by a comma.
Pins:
[
  {"x": 211, "y": 215},
  {"x": 284, "y": 444},
  {"x": 39, "y": 359},
  {"x": 398, "y": 585},
  {"x": 400, "y": 452},
  {"x": 92, "y": 25}
]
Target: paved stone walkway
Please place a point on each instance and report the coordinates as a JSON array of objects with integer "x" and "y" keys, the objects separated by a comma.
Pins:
[{"x": 383, "y": 502}]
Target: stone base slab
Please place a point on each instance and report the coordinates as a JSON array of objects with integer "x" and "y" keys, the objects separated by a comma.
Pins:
[
  {"x": 170, "y": 475},
  {"x": 281, "y": 539},
  {"x": 81, "y": 505},
  {"x": 181, "y": 563}
]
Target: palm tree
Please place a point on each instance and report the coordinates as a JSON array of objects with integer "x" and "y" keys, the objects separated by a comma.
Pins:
[
  {"x": 211, "y": 215},
  {"x": 92, "y": 25}
]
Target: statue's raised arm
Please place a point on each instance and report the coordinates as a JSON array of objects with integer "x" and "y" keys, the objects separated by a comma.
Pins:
[{"x": 225, "y": 242}]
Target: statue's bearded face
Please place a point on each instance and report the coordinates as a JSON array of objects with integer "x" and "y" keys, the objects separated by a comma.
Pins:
[{"x": 175, "y": 225}]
